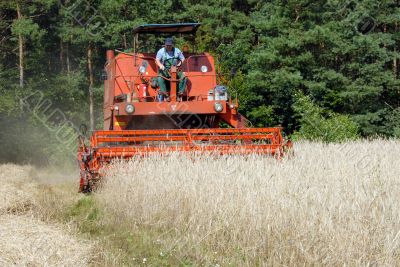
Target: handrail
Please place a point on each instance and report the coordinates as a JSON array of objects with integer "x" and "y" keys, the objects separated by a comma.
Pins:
[
  {"x": 132, "y": 79},
  {"x": 153, "y": 58},
  {"x": 155, "y": 76},
  {"x": 275, "y": 130}
]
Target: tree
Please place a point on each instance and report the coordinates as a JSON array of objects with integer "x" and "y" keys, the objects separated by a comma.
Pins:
[
  {"x": 23, "y": 28},
  {"x": 340, "y": 55}
]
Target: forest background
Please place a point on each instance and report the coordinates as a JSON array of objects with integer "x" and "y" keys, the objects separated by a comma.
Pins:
[{"x": 325, "y": 70}]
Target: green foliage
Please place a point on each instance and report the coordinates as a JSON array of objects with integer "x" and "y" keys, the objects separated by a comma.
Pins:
[
  {"x": 318, "y": 126},
  {"x": 263, "y": 115},
  {"x": 315, "y": 47},
  {"x": 393, "y": 123},
  {"x": 87, "y": 213},
  {"x": 7, "y": 99},
  {"x": 27, "y": 28}
]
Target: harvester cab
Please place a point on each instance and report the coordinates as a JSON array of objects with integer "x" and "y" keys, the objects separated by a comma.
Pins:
[
  {"x": 139, "y": 120},
  {"x": 133, "y": 101}
]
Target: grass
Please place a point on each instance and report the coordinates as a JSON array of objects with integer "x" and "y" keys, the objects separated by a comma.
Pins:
[{"x": 118, "y": 243}]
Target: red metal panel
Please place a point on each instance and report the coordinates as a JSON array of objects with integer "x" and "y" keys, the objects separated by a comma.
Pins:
[
  {"x": 185, "y": 137},
  {"x": 184, "y": 131},
  {"x": 157, "y": 108},
  {"x": 116, "y": 152}
]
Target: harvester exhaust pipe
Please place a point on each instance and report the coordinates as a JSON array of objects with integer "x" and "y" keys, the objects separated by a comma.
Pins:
[{"x": 110, "y": 55}]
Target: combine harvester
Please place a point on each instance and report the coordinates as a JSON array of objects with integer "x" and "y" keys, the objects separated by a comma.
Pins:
[{"x": 138, "y": 121}]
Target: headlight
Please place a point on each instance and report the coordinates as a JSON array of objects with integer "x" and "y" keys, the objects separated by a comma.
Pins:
[
  {"x": 204, "y": 69},
  {"x": 142, "y": 69},
  {"x": 143, "y": 66},
  {"x": 129, "y": 108},
  {"x": 218, "y": 107}
]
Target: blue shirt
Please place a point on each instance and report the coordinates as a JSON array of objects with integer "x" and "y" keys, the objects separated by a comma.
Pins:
[{"x": 163, "y": 54}]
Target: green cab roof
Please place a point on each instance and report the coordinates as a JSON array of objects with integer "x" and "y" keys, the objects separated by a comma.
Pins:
[{"x": 167, "y": 28}]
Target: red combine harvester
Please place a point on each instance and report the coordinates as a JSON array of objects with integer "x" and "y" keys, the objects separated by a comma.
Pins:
[{"x": 139, "y": 121}]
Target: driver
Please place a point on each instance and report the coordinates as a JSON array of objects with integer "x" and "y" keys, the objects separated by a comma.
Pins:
[{"x": 167, "y": 57}]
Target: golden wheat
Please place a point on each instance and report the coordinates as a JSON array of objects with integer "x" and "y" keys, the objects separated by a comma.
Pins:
[
  {"x": 25, "y": 239},
  {"x": 333, "y": 204},
  {"x": 17, "y": 189}
]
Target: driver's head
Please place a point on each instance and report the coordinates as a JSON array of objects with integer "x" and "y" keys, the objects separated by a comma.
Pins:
[{"x": 169, "y": 43}]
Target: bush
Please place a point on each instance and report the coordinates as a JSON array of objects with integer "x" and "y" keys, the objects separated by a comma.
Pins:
[{"x": 317, "y": 126}]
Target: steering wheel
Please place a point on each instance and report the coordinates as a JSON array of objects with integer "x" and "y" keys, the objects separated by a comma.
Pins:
[
  {"x": 168, "y": 63},
  {"x": 172, "y": 62}
]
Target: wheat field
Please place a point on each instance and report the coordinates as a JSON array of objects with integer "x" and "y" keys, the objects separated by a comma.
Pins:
[
  {"x": 326, "y": 205},
  {"x": 329, "y": 204}
]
